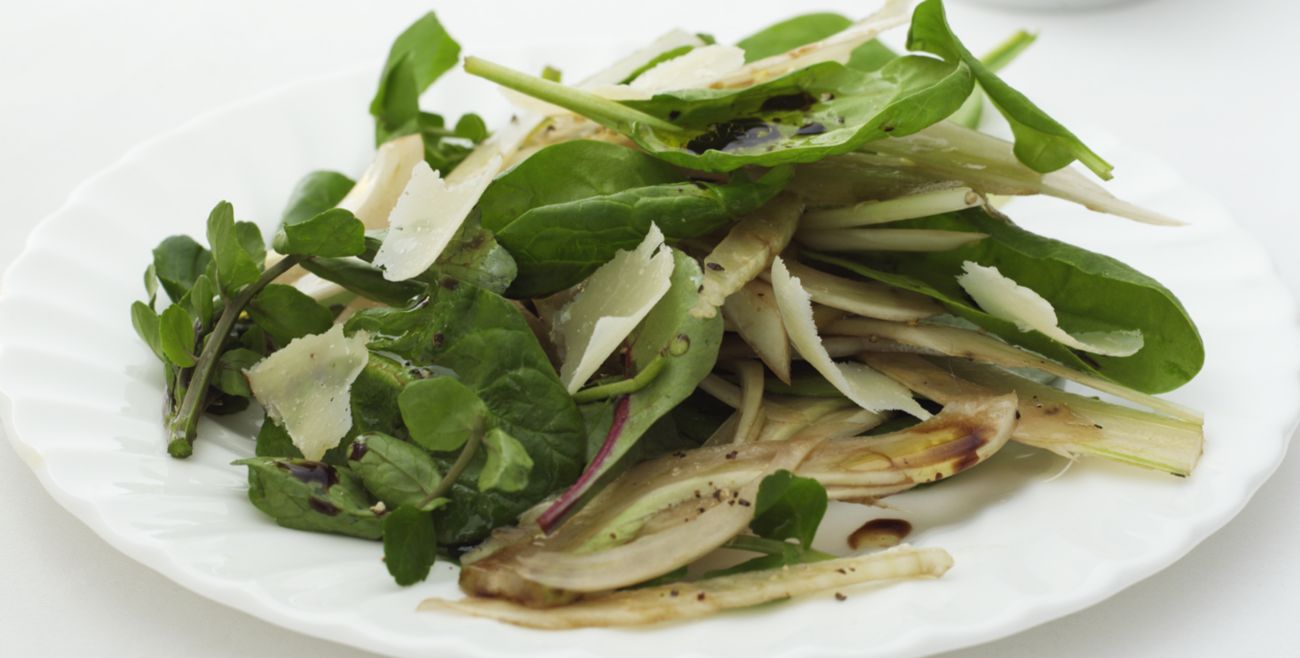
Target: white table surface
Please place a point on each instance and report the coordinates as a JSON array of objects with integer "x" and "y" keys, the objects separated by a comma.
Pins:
[{"x": 1209, "y": 85}]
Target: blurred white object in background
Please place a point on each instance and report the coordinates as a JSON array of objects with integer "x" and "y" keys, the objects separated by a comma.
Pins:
[{"x": 1051, "y": 5}]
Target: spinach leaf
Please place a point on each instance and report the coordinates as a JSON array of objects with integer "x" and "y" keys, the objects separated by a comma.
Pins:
[
  {"x": 410, "y": 545},
  {"x": 418, "y": 57},
  {"x": 487, "y": 343},
  {"x": 561, "y": 222},
  {"x": 286, "y": 313},
  {"x": 317, "y": 192},
  {"x": 363, "y": 279},
  {"x": 1042, "y": 143},
  {"x": 791, "y": 33},
  {"x": 235, "y": 265},
  {"x": 1090, "y": 292},
  {"x": 789, "y": 507},
  {"x": 973, "y": 109},
  {"x": 441, "y": 413},
  {"x": 475, "y": 256},
  {"x": 307, "y": 495},
  {"x": 177, "y": 262},
  {"x": 274, "y": 441},
  {"x": 507, "y": 465},
  {"x": 332, "y": 233},
  {"x": 396, "y": 472},
  {"x": 871, "y": 56},
  {"x": 176, "y": 335}
]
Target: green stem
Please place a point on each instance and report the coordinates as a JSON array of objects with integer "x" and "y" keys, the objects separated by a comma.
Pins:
[
  {"x": 604, "y": 111},
  {"x": 623, "y": 386},
  {"x": 970, "y": 112},
  {"x": 181, "y": 426},
  {"x": 457, "y": 467}
]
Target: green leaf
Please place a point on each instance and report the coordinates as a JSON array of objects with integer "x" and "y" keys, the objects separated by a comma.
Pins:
[
  {"x": 485, "y": 340},
  {"x": 202, "y": 299},
  {"x": 396, "y": 472},
  {"x": 475, "y": 256},
  {"x": 669, "y": 322},
  {"x": 1042, "y": 143},
  {"x": 507, "y": 465},
  {"x": 871, "y": 56},
  {"x": 177, "y": 262},
  {"x": 1089, "y": 291},
  {"x": 363, "y": 279},
  {"x": 441, "y": 413},
  {"x": 333, "y": 233},
  {"x": 410, "y": 545},
  {"x": 973, "y": 109},
  {"x": 789, "y": 507},
  {"x": 151, "y": 284},
  {"x": 250, "y": 238},
  {"x": 146, "y": 323},
  {"x": 235, "y": 267},
  {"x": 230, "y": 377},
  {"x": 792, "y": 33},
  {"x": 287, "y": 313},
  {"x": 662, "y": 57},
  {"x": 472, "y": 127},
  {"x": 274, "y": 441},
  {"x": 312, "y": 496},
  {"x": 317, "y": 192},
  {"x": 418, "y": 57},
  {"x": 176, "y": 335},
  {"x": 560, "y": 223}
]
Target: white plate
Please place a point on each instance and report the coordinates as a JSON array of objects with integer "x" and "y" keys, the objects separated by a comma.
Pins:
[{"x": 1033, "y": 540}]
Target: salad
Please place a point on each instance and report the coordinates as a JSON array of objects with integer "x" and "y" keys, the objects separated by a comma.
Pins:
[{"x": 671, "y": 309}]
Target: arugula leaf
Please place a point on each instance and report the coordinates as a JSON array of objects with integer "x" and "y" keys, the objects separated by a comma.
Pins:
[
  {"x": 202, "y": 300},
  {"x": 410, "y": 545},
  {"x": 396, "y": 472},
  {"x": 441, "y": 413},
  {"x": 332, "y": 233},
  {"x": 507, "y": 465},
  {"x": 789, "y": 507},
  {"x": 312, "y": 496},
  {"x": 560, "y": 222},
  {"x": 1089, "y": 291},
  {"x": 177, "y": 263},
  {"x": 444, "y": 148},
  {"x": 1042, "y": 143},
  {"x": 147, "y": 326},
  {"x": 235, "y": 267},
  {"x": 418, "y": 57},
  {"x": 286, "y": 313},
  {"x": 250, "y": 238},
  {"x": 317, "y": 192},
  {"x": 792, "y": 33},
  {"x": 176, "y": 335},
  {"x": 485, "y": 340}
]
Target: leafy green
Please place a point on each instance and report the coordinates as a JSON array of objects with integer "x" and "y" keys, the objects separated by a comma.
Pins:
[
  {"x": 487, "y": 343},
  {"x": 672, "y": 53},
  {"x": 418, "y": 57},
  {"x": 317, "y": 192},
  {"x": 235, "y": 266},
  {"x": 789, "y": 507},
  {"x": 396, "y": 472},
  {"x": 176, "y": 335},
  {"x": 1089, "y": 291},
  {"x": 332, "y": 233},
  {"x": 441, "y": 413},
  {"x": 507, "y": 465},
  {"x": 792, "y": 33},
  {"x": 230, "y": 377},
  {"x": 274, "y": 441},
  {"x": 177, "y": 262},
  {"x": 286, "y": 313},
  {"x": 973, "y": 109},
  {"x": 363, "y": 279},
  {"x": 307, "y": 495},
  {"x": 410, "y": 545},
  {"x": 146, "y": 323},
  {"x": 475, "y": 256},
  {"x": 871, "y": 56},
  {"x": 1042, "y": 144},
  {"x": 202, "y": 300},
  {"x": 445, "y": 147},
  {"x": 561, "y": 222}
]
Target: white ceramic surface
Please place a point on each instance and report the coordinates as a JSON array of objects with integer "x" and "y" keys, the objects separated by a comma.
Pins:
[{"x": 1033, "y": 539}]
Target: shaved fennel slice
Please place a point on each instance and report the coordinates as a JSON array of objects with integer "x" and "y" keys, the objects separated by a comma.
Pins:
[
  {"x": 751, "y": 401},
  {"x": 912, "y": 206},
  {"x": 1002, "y": 297},
  {"x": 611, "y": 303},
  {"x": 306, "y": 387},
  {"x": 375, "y": 194},
  {"x": 753, "y": 311},
  {"x": 866, "y": 298},
  {"x": 989, "y": 165},
  {"x": 748, "y": 249},
  {"x": 835, "y": 48},
  {"x": 427, "y": 216},
  {"x": 694, "y": 599},
  {"x": 865, "y": 387},
  {"x": 625, "y": 67},
  {"x": 886, "y": 239},
  {"x": 876, "y": 335}
]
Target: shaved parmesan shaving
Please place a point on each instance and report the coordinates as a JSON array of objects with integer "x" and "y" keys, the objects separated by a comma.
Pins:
[
  {"x": 623, "y": 68},
  {"x": 376, "y": 192},
  {"x": 1002, "y": 297},
  {"x": 867, "y": 298},
  {"x": 306, "y": 387},
  {"x": 695, "y": 69},
  {"x": 867, "y": 388},
  {"x": 611, "y": 304},
  {"x": 427, "y": 216}
]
